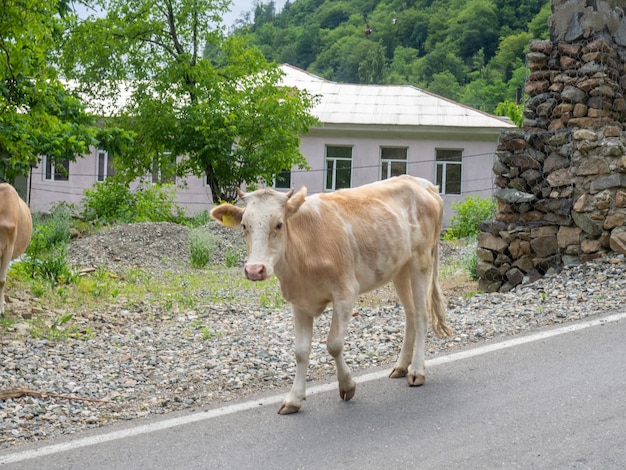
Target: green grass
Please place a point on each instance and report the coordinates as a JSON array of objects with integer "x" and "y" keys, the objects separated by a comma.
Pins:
[{"x": 169, "y": 294}]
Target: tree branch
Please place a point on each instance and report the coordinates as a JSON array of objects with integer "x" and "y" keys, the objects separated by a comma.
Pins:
[
  {"x": 20, "y": 392},
  {"x": 171, "y": 23}
]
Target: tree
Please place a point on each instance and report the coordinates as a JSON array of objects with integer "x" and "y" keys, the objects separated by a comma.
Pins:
[
  {"x": 511, "y": 54},
  {"x": 192, "y": 92},
  {"x": 475, "y": 28},
  {"x": 445, "y": 84},
  {"x": 38, "y": 116}
]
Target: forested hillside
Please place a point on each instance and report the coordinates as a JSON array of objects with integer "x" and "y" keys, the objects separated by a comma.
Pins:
[{"x": 472, "y": 51}]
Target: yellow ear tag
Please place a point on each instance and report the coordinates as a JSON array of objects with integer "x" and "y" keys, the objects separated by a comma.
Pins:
[{"x": 229, "y": 220}]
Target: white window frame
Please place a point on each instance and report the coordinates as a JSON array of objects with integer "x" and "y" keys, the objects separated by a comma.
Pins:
[
  {"x": 156, "y": 176},
  {"x": 443, "y": 167},
  {"x": 107, "y": 168},
  {"x": 386, "y": 164},
  {"x": 332, "y": 161},
  {"x": 52, "y": 174},
  {"x": 284, "y": 185}
]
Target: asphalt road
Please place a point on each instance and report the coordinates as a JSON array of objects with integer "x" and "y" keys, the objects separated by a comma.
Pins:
[{"x": 549, "y": 400}]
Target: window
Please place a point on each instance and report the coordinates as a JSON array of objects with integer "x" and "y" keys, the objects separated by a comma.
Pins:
[
  {"x": 59, "y": 171},
  {"x": 392, "y": 162},
  {"x": 105, "y": 165},
  {"x": 283, "y": 180},
  {"x": 449, "y": 169},
  {"x": 164, "y": 169},
  {"x": 338, "y": 167}
]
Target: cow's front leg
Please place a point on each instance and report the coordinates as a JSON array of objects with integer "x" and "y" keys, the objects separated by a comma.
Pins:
[
  {"x": 342, "y": 313},
  {"x": 303, "y": 324}
]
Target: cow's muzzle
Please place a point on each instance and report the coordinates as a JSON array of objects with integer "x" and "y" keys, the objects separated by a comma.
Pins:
[{"x": 255, "y": 272}]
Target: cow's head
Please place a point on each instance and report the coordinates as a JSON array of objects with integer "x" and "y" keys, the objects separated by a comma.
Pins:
[{"x": 264, "y": 222}]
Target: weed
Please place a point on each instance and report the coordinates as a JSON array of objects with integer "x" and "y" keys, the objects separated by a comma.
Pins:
[
  {"x": 200, "y": 219},
  {"x": 471, "y": 265},
  {"x": 472, "y": 293},
  {"x": 271, "y": 298},
  {"x": 202, "y": 244},
  {"x": 60, "y": 330},
  {"x": 232, "y": 258}
]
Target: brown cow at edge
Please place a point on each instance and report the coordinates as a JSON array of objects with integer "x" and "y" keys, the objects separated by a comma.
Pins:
[
  {"x": 16, "y": 227},
  {"x": 329, "y": 248}
]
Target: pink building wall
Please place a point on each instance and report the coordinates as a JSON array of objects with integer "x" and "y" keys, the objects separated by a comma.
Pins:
[{"x": 194, "y": 196}]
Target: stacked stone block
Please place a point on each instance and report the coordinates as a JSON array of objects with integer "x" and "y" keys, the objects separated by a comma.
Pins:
[{"x": 561, "y": 179}]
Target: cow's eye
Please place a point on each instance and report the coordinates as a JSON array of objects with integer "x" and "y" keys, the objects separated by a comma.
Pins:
[
  {"x": 244, "y": 227},
  {"x": 279, "y": 225}
]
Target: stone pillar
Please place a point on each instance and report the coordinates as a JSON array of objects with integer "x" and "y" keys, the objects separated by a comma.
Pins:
[{"x": 561, "y": 179}]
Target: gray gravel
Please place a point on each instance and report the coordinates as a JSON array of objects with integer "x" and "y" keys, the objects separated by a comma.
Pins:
[{"x": 143, "y": 362}]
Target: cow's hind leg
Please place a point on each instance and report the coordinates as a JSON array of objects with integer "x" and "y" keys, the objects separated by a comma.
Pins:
[
  {"x": 342, "y": 313},
  {"x": 420, "y": 283},
  {"x": 303, "y": 323},
  {"x": 402, "y": 283},
  {"x": 5, "y": 258}
]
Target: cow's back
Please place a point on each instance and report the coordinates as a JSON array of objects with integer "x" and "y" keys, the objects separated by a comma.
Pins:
[{"x": 368, "y": 232}]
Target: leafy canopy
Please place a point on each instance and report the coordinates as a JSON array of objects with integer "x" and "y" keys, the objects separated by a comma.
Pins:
[
  {"x": 38, "y": 116},
  {"x": 191, "y": 91},
  {"x": 472, "y": 51}
]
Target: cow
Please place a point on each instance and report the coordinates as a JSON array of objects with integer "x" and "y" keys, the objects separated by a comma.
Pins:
[
  {"x": 16, "y": 227},
  {"x": 331, "y": 247}
]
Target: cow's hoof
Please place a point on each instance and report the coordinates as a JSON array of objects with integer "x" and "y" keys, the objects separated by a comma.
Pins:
[
  {"x": 348, "y": 393},
  {"x": 288, "y": 409},
  {"x": 398, "y": 372},
  {"x": 415, "y": 380}
]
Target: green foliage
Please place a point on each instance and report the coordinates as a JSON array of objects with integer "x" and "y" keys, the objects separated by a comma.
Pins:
[
  {"x": 108, "y": 202},
  {"x": 198, "y": 220},
  {"x": 61, "y": 330},
  {"x": 468, "y": 216},
  {"x": 156, "y": 203},
  {"x": 481, "y": 43},
  {"x": 471, "y": 264},
  {"x": 192, "y": 92},
  {"x": 38, "y": 116},
  {"x": 46, "y": 255},
  {"x": 113, "y": 202},
  {"x": 202, "y": 244},
  {"x": 233, "y": 258},
  {"x": 512, "y": 111}
]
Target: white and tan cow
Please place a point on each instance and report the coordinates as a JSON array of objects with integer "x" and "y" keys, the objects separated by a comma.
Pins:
[
  {"x": 329, "y": 248},
  {"x": 16, "y": 227}
]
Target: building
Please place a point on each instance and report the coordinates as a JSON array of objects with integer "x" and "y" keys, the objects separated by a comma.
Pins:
[{"x": 368, "y": 133}]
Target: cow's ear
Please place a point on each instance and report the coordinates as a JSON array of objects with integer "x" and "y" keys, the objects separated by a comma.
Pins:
[
  {"x": 294, "y": 202},
  {"x": 228, "y": 215}
]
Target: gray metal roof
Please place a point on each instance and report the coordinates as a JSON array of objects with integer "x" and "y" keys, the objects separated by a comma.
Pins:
[{"x": 402, "y": 105}]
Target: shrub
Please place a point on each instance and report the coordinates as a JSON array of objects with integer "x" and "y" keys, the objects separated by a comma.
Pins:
[
  {"x": 202, "y": 244},
  {"x": 46, "y": 255},
  {"x": 109, "y": 202},
  {"x": 469, "y": 214},
  {"x": 113, "y": 202},
  {"x": 156, "y": 203}
]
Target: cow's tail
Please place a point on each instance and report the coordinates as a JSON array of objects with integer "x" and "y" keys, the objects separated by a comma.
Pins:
[{"x": 437, "y": 307}]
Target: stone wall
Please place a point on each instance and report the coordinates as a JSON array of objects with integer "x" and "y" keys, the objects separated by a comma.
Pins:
[{"x": 561, "y": 179}]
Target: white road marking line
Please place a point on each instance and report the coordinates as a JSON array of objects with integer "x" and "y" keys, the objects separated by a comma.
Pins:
[{"x": 229, "y": 409}]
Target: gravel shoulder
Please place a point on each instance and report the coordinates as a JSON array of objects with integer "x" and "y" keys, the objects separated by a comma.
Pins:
[{"x": 145, "y": 359}]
